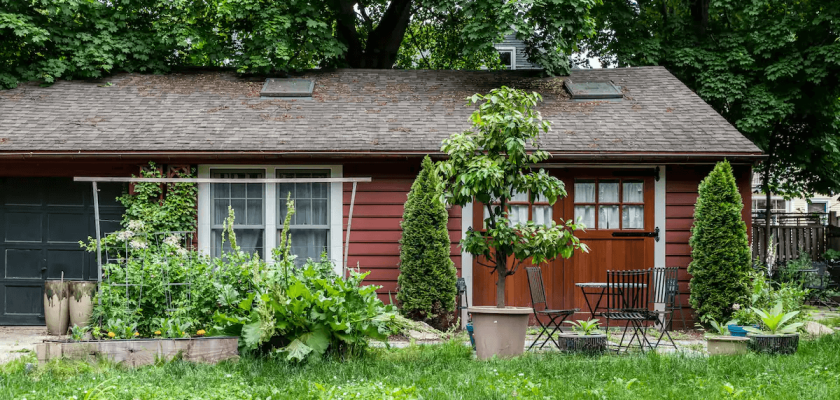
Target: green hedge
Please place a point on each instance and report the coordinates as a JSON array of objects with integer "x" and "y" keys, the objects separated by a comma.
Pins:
[
  {"x": 720, "y": 250},
  {"x": 427, "y": 274}
]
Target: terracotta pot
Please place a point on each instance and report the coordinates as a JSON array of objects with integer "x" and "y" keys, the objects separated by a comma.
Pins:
[
  {"x": 81, "y": 301},
  {"x": 727, "y": 345},
  {"x": 499, "y": 331},
  {"x": 56, "y": 307},
  {"x": 590, "y": 344},
  {"x": 774, "y": 344}
]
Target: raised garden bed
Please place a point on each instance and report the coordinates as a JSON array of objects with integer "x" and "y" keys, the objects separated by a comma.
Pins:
[{"x": 138, "y": 352}]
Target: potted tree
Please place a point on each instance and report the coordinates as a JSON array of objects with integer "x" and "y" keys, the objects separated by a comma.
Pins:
[
  {"x": 722, "y": 341},
  {"x": 488, "y": 165},
  {"x": 586, "y": 337},
  {"x": 776, "y": 335}
]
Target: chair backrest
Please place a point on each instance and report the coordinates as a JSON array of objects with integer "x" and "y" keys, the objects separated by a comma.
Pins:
[
  {"x": 665, "y": 285},
  {"x": 628, "y": 289},
  {"x": 535, "y": 285}
]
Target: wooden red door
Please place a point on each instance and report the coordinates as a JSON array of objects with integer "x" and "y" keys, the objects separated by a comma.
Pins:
[{"x": 611, "y": 206}]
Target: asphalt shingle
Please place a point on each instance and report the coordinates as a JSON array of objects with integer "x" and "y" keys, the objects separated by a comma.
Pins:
[{"x": 351, "y": 110}]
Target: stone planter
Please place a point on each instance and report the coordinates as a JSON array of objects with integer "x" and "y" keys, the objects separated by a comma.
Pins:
[
  {"x": 774, "y": 344},
  {"x": 727, "y": 345},
  {"x": 499, "y": 331},
  {"x": 588, "y": 344},
  {"x": 56, "y": 306},
  {"x": 81, "y": 301}
]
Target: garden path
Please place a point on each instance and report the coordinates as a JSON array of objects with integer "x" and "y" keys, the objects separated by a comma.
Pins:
[{"x": 16, "y": 341}]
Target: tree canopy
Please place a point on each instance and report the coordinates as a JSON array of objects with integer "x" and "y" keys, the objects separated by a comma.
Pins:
[
  {"x": 49, "y": 39},
  {"x": 771, "y": 67}
]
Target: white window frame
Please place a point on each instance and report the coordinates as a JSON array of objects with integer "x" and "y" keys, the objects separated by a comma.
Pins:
[
  {"x": 205, "y": 207},
  {"x": 761, "y": 197},
  {"x": 512, "y": 51}
]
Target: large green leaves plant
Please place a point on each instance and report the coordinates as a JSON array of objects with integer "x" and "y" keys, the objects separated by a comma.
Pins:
[
  {"x": 308, "y": 311},
  {"x": 492, "y": 162},
  {"x": 775, "y": 321}
]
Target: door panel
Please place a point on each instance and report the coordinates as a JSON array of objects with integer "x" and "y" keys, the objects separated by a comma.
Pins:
[
  {"x": 43, "y": 220},
  {"x": 606, "y": 251}
]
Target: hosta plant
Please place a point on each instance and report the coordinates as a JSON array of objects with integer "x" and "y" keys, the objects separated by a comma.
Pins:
[
  {"x": 775, "y": 321},
  {"x": 586, "y": 328}
]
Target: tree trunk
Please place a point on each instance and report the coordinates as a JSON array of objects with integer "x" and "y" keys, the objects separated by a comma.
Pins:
[
  {"x": 501, "y": 277},
  {"x": 383, "y": 43},
  {"x": 700, "y": 15}
]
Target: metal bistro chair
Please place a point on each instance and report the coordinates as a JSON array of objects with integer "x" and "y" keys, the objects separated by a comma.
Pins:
[
  {"x": 818, "y": 283},
  {"x": 629, "y": 301},
  {"x": 555, "y": 317},
  {"x": 665, "y": 291}
]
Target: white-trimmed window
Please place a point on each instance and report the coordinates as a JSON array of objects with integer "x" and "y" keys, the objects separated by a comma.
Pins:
[
  {"x": 260, "y": 210},
  {"x": 507, "y": 55}
]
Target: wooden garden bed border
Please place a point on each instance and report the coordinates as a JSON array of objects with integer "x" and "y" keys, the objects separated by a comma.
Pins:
[{"x": 139, "y": 352}]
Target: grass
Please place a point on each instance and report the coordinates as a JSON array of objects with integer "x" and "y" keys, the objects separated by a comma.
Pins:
[{"x": 447, "y": 371}]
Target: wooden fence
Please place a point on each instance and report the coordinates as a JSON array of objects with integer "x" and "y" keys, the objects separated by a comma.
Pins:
[{"x": 790, "y": 240}]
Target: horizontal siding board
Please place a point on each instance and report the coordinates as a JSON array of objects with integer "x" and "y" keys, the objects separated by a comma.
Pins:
[
  {"x": 390, "y": 224},
  {"x": 688, "y": 199},
  {"x": 389, "y": 236},
  {"x": 677, "y": 236},
  {"x": 384, "y": 249},
  {"x": 678, "y": 224},
  {"x": 676, "y": 211},
  {"x": 391, "y": 185}
]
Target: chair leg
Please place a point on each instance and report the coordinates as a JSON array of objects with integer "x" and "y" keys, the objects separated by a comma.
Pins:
[
  {"x": 556, "y": 324},
  {"x": 621, "y": 342},
  {"x": 544, "y": 330}
]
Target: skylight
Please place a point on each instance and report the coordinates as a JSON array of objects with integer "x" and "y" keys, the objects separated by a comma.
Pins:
[
  {"x": 592, "y": 90},
  {"x": 287, "y": 87}
]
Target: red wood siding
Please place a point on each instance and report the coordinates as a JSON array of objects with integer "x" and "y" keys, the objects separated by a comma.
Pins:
[
  {"x": 680, "y": 196},
  {"x": 375, "y": 229}
]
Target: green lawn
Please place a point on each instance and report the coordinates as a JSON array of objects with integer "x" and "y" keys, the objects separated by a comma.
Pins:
[{"x": 449, "y": 372}]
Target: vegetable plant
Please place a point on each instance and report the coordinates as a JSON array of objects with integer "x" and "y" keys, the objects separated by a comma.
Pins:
[
  {"x": 77, "y": 333},
  {"x": 586, "y": 328},
  {"x": 775, "y": 321},
  {"x": 492, "y": 162}
]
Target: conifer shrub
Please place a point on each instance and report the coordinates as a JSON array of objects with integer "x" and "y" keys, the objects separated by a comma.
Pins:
[
  {"x": 720, "y": 250},
  {"x": 427, "y": 274}
]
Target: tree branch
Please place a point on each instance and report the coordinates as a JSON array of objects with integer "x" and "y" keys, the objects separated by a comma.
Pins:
[{"x": 367, "y": 19}]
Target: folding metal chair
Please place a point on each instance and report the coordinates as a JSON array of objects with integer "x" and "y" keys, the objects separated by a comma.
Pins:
[
  {"x": 555, "y": 317},
  {"x": 665, "y": 291},
  {"x": 630, "y": 300}
]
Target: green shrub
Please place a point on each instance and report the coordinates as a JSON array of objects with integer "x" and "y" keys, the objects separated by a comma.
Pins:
[
  {"x": 765, "y": 294},
  {"x": 427, "y": 274},
  {"x": 720, "y": 250},
  {"x": 302, "y": 313}
]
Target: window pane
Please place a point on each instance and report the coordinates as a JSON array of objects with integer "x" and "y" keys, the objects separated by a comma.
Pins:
[
  {"x": 307, "y": 243},
  {"x": 608, "y": 192},
  {"x": 245, "y": 199},
  {"x": 542, "y": 215},
  {"x": 220, "y": 211},
  {"x": 816, "y": 207},
  {"x": 505, "y": 58},
  {"x": 633, "y": 217},
  {"x": 584, "y": 192},
  {"x": 254, "y": 212},
  {"x": 312, "y": 205},
  {"x": 237, "y": 191},
  {"x": 585, "y": 215},
  {"x": 518, "y": 214},
  {"x": 608, "y": 217},
  {"x": 634, "y": 192},
  {"x": 249, "y": 240},
  {"x": 541, "y": 199},
  {"x": 238, "y": 211},
  {"x": 519, "y": 196},
  {"x": 320, "y": 212}
]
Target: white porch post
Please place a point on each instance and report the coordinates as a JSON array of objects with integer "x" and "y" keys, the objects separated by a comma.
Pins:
[{"x": 466, "y": 259}]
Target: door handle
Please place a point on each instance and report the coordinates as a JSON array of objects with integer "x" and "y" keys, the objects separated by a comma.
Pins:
[{"x": 654, "y": 234}]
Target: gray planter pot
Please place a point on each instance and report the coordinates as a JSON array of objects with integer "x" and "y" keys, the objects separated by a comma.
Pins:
[
  {"x": 774, "y": 344},
  {"x": 499, "y": 331},
  {"x": 589, "y": 344},
  {"x": 81, "y": 301},
  {"x": 727, "y": 345},
  {"x": 56, "y": 306}
]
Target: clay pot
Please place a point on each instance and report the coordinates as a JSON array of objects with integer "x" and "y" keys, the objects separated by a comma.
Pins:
[
  {"x": 499, "y": 331},
  {"x": 727, "y": 345},
  {"x": 56, "y": 306},
  {"x": 81, "y": 302}
]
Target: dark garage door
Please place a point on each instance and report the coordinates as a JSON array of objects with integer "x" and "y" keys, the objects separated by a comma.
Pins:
[{"x": 42, "y": 222}]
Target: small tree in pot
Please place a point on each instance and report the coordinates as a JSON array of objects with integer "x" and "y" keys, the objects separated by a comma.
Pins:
[{"x": 490, "y": 164}]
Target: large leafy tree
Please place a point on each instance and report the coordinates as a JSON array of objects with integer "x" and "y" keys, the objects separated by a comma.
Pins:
[
  {"x": 47, "y": 39},
  {"x": 490, "y": 164},
  {"x": 771, "y": 67}
]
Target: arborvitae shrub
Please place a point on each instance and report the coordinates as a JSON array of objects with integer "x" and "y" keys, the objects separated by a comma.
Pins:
[
  {"x": 427, "y": 275},
  {"x": 720, "y": 250}
]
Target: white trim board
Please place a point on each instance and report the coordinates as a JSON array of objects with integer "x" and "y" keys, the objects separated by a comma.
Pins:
[{"x": 205, "y": 207}]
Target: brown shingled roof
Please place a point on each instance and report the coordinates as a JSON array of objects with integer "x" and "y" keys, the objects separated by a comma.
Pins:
[{"x": 351, "y": 110}]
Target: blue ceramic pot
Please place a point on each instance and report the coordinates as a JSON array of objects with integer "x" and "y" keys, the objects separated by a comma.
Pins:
[
  {"x": 470, "y": 331},
  {"x": 738, "y": 330}
]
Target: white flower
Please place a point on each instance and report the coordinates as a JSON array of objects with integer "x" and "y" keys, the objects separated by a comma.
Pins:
[
  {"x": 136, "y": 244},
  {"x": 125, "y": 235},
  {"x": 736, "y": 306},
  {"x": 182, "y": 252},
  {"x": 136, "y": 225},
  {"x": 173, "y": 240}
]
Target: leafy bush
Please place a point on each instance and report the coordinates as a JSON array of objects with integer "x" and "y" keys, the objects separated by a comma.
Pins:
[
  {"x": 427, "y": 274},
  {"x": 305, "y": 312},
  {"x": 720, "y": 250},
  {"x": 765, "y": 294},
  {"x": 775, "y": 321}
]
